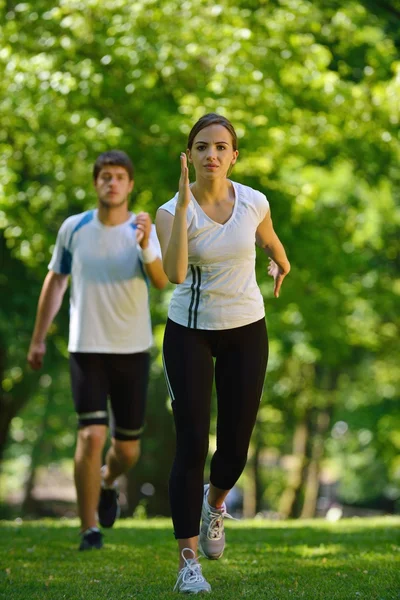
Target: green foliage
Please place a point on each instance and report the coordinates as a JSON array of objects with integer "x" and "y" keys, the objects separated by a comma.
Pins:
[{"x": 312, "y": 89}]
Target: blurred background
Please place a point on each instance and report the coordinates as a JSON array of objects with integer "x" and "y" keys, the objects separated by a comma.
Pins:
[{"x": 313, "y": 89}]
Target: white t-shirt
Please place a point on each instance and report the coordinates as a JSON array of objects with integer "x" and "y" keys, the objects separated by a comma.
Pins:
[
  {"x": 220, "y": 290},
  {"x": 109, "y": 300}
]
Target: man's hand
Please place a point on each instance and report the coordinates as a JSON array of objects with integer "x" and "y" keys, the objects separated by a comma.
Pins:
[
  {"x": 278, "y": 274},
  {"x": 143, "y": 224},
  {"x": 37, "y": 350}
]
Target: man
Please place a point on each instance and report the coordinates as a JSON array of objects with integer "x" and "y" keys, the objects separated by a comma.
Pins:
[{"x": 109, "y": 253}]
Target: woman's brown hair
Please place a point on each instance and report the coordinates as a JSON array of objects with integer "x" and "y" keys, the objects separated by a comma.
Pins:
[{"x": 212, "y": 119}]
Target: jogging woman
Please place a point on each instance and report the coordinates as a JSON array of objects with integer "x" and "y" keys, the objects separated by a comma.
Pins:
[{"x": 216, "y": 325}]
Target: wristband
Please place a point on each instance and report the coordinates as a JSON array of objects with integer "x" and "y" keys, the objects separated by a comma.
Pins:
[{"x": 148, "y": 255}]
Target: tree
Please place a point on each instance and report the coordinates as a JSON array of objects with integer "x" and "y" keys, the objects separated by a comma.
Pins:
[{"x": 312, "y": 89}]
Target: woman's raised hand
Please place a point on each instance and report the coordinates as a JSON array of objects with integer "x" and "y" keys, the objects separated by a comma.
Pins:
[{"x": 184, "y": 189}]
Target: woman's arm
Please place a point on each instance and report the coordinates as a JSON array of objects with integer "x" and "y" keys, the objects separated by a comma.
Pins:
[
  {"x": 267, "y": 239},
  {"x": 172, "y": 231}
]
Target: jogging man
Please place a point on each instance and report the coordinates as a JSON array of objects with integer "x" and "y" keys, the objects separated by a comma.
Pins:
[{"x": 110, "y": 254}]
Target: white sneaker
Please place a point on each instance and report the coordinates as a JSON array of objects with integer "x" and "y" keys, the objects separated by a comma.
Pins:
[
  {"x": 190, "y": 578},
  {"x": 212, "y": 535}
]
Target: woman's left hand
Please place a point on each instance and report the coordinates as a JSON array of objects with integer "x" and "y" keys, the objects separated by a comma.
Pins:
[{"x": 279, "y": 274}]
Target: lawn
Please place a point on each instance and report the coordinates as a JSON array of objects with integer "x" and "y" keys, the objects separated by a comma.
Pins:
[{"x": 350, "y": 560}]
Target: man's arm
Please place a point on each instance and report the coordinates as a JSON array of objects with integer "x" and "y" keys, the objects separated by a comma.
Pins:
[
  {"x": 155, "y": 273},
  {"x": 49, "y": 304},
  {"x": 151, "y": 261}
]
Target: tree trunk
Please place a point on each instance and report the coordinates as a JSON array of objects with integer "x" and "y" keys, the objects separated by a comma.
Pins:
[
  {"x": 10, "y": 405},
  {"x": 249, "y": 490},
  {"x": 39, "y": 449},
  {"x": 257, "y": 475},
  {"x": 290, "y": 501},
  {"x": 314, "y": 467},
  {"x": 326, "y": 380}
]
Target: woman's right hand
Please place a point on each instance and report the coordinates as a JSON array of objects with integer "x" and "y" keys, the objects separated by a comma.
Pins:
[{"x": 184, "y": 189}]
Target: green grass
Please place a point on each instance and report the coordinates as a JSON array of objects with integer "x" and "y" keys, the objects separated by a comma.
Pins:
[{"x": 349, "y": 560}]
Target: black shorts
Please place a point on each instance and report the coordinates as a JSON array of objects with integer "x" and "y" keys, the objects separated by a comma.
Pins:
[{"x": 121, "y": 378}]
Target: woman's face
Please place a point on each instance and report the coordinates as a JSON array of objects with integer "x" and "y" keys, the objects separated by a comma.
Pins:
[{"x": 212, "y": 152}]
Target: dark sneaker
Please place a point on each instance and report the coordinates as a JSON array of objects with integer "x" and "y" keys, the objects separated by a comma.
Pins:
[
  {"x": 108, "y": 509},
  {"x": 92, "y": 539}
]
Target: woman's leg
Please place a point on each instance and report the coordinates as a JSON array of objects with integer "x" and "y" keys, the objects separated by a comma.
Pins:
[
  {"x": 240, "y": 369},
  {"x": 189, "y": 371},
  {"x": 241, "y": 360}
]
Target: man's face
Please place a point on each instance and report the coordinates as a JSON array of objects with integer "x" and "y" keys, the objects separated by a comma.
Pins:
[{"x": 113, "y": 186}]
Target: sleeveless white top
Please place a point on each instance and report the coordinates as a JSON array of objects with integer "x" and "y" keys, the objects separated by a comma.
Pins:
[{"x": 220, "y": 290}]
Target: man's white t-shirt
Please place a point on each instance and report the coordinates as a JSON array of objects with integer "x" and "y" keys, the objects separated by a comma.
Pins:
[
  {"x": 109, "y": 300},
  {"x": 220, "y": 290}
]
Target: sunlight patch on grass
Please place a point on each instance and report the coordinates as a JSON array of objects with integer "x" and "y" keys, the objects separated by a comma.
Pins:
[{"x": 320, "y": 551}]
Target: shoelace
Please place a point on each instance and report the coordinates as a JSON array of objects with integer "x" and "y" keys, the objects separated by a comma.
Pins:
[
  {"x": 216, "y": 522},
  {"x": 191, "y": 572}
]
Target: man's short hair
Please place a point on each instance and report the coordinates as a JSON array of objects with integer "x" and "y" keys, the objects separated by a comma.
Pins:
[{"x": 114, "y": 158}]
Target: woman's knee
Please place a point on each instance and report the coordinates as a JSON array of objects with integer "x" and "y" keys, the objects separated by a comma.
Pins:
[
  {"x": 191, "y": 451},
  {"x": 226, "y": 469}
]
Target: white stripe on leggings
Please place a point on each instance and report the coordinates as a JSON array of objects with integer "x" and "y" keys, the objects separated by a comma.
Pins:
[{"x": 167, "y": 379}]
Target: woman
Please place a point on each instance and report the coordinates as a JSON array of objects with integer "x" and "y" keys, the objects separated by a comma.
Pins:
[{"x": 207, "y": 234}]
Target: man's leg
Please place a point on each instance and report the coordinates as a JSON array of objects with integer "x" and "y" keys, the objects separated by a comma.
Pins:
[
  {"x": 88, "y": 454},
  {"x": 121, "y": 456},
  {"x": 128, "y": 390},
  {"x": 89, "y": 389}
]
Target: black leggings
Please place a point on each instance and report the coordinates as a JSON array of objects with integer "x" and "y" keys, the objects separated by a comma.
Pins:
[{"x": 241, "y": 356}]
